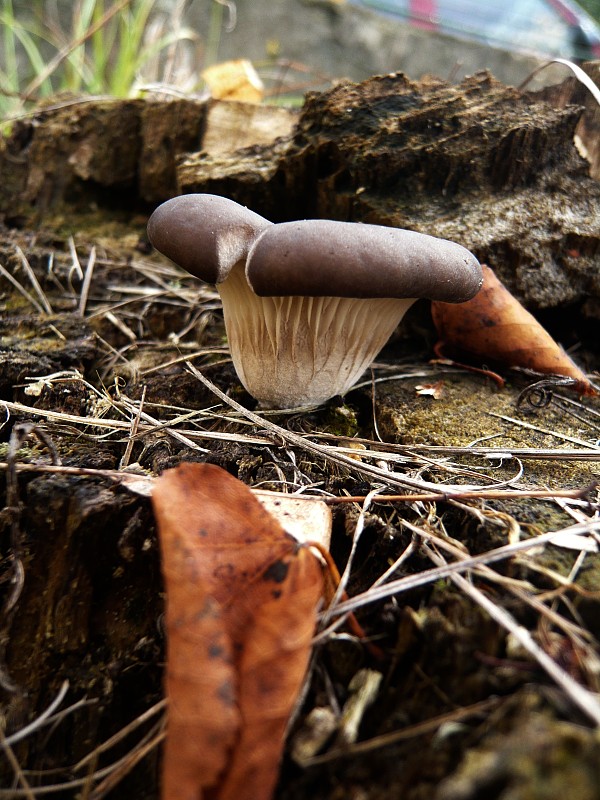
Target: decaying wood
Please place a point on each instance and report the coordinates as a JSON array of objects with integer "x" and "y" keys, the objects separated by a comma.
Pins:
[
  {"x": 480, "y": 163},
  {"x": 573, "y": 92}
]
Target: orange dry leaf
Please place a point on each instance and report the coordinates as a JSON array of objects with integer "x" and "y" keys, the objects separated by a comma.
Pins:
[
  {"x": 494, "y": 326},
  {"x": 241, "y": 607}
]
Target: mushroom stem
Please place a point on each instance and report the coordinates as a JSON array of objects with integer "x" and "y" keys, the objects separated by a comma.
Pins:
[{"x": 297, "y": 351}]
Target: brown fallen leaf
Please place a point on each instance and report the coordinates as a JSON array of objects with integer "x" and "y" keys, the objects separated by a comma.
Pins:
[
  {"x": 494, "y": 326},
  {"x": 241, "y": 600}
]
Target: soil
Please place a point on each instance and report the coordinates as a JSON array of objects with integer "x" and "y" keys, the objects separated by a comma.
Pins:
[{"x": 96, "y": 326}]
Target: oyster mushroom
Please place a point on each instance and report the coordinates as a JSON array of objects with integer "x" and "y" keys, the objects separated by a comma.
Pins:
[{"x": 308, "y": 304}]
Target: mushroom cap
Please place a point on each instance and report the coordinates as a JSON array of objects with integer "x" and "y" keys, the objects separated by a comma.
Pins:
[
  {"x": 204, "y": 233},
  {"x": 348, "y": 259}
]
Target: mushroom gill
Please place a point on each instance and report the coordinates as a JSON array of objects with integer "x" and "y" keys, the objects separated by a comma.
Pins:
[{"x": 301, "y": 350}]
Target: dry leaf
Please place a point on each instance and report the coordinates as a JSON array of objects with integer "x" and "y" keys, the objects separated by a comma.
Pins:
[
  {"x": 240, "y": 615},
  {"x": 306, "y": 518},
  {"x": 494, "y": 326},
  {"x": 234, "y": 80},
  {"x": 435, "y": 390}
]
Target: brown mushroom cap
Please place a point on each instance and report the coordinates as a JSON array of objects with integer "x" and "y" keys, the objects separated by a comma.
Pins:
[
  {"x": 347, "y": 259},
  {"x": 204, "y": 233}
]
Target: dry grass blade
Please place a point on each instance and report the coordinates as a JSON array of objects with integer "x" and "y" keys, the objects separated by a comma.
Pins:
[
  {"x": 75, "y": 263},
  {"x": 327, "y": 453},
  {"x": 586, "y": 701},
  {"x": 581, "y": 76},
  {"x": 575, "y": 409},
  {"x": 426, "y": 728},
  {"x": 156, "y": 423},
  {"x": 489, "y": 453},
  {"x": 563, "y": 437},
  {"x": 26, "y": 790},
  {"x": 479, "y": 494},
  {"x": 190, "y": 357},
  {"x": 21, "y": 289},
  {"x": 122, "y": 734},
  {"x": 343, "y": 582},
  {"x": 436, "y": 573},
  {"x": 124, "y": 767},
  {"x": 34, "y": 281},
  {"x": 119, "y": 426},
  {"x": 23, "y": 733},
  {"x": 120, "y": 325},
  {"x": 87, "y": 281},
  {"x": 135, "y": 424},
  {"x": 519, "y": 589},
  {"x": 105, "y": 778},
  {"x": 79, "y": 101}
]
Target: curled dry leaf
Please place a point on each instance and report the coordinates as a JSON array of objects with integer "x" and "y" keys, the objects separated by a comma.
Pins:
[
  {"x": 241, "y": 600},
  {"x": 494, "y": 326},
  {"x": 435, "y": 390}
]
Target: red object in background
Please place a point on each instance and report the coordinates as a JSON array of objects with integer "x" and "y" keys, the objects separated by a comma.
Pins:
[{"x": 422, "y": 13}]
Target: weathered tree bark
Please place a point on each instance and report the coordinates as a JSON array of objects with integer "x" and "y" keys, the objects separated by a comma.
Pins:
[{"x": 480, "y": 163}]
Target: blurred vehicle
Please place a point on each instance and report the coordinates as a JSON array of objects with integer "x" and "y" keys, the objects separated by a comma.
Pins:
[{"x": 557, "y": 28}]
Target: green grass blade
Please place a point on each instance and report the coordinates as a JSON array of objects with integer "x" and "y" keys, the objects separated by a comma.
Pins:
[
  {"x": 132, "y": 28},
  {"x": 10, "y": 68},
  {"x": 29, "y": 42}
]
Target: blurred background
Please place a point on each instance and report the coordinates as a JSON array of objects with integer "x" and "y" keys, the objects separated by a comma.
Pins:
[
  {"x": 447, "y": 38},
  {"x": 127, "y": 47}
]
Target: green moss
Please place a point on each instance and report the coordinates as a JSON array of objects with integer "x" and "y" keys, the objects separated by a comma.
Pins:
[
  {"x": 340, "y": 421},
  {"x": 469, "y": 412}
]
